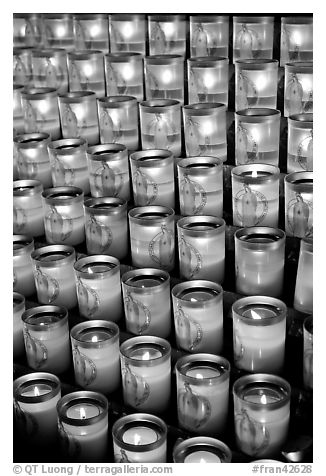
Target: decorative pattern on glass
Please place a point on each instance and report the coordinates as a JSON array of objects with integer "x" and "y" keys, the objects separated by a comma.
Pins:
[
  {"x": 190, "y": 258},
  {"x": 161, "y": 248},
  {"x": 136, "y": 389},
  {"x": 194, "y": 410},
  {"x": 254, "y": 436},
  {"x": 251, "y": 206},
  {"x": 88, "y": 299},
  {"x": 189, "y": 332},
  {"x": 58, "y": 226},
  {"x": 298, "y": 214},
  {"x": 138, "y": 316},
  {"x": 193, "y": 196},
  {"x": 48, "y": 288},
  {"x": 85, "y": 368},
  {"x": 36, "y": 351}
]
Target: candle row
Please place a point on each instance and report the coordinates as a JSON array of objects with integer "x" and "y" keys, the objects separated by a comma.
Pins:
[{"x": 209, "y": 34}]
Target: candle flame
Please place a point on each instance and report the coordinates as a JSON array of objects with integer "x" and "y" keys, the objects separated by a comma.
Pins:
[
  {"x": 36, "y": 392},
  {"x": 254, "y": 314},
  {"x": 94, "y": 339},
  {"x": 202, "y": 460},
  {"x": 199, "y": 376},
  {"x": 263, "y": 399},
  {"x": 90, "y": 271},
  {"x": 82, "y": 413},
  {"x": 128, "y": 72},
  {"x": 254, "y": 174},
  {"x": 127, "y": 30},
  {"x": 137, "y": 439},
  {"x": 193, "y": 299},
  {"x": 146, "y": 356},
  {"x": 167, "y": 76},
  {"x": 60, "y": 31}
]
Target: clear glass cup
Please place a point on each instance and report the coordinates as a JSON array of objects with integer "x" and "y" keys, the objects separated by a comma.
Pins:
[
  {"x": 209, "y": 35},
  {"x": 300, "y": 143}
]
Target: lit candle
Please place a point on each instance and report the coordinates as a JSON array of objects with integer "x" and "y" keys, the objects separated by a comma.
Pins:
[
  {"x": 86, "y": 71},
  {"x": 303, "y": 294},
  {"x": 298, "y": 88},
  {"x": 22, "y": 66},
  {"x": 139, "y": 438},
  {"x": 124, "y": 74},
  {"x": 27, "y": 29},
  {"x": 27, "y": 207},
  {"x": 106, "y": 226},
  {"x": 152, "y": 174},
  {"x": 160, "y": 125},
  {"x": 41, "y": 112},
  {"x": 300, "y": 143},
  {"x": 146, "y": 373},
  {"x": 18, "y": 338},
  {"x": 83, "y": 426},
  {"x": 46, "y": 336},
  {"x": 201, "y": 244},
  {"x": 208, "y": 79},
  {"x": 50, "y": 69},
  {"x": 127, "y": 33},
  {"x": 209, "y": 35},
  {"x": 259, "y": 261},
  {"x": 201, "y": 449},
  {"x": 98, "y": 287},
  {"x": 205, "y": 130},
  {"x": 253, "y": 37},
  {"x": 203, "y": 393},
  {"x": 308, "y": 353},
  {"x": 255, "y": 195},
  {"x": 198, "y": 316},
  {"x": 259, "y": 329},
  {"x": 58, "y": 30},
  {"x": 261, "y": 414},
  {"x": 167, "y": 34},
  {"x": 18, "y": 118},
  {"x": 296, "y": 39},
  {"x": 35, "y": 398},
  {"x": 91, "y": 31},
  {"x": 152, "y": 237},
  {"x": 109, "y": 171},
  {"x": 95, "y": 351},
  {"x": 200, "y": 181},
  {"x": 23, "y": 246},
  {"x": 69, "y": 163},
  {"x": 54, "y": 275},
  {"x": 32, "y": 157},
  {"x": 118, "y": 119},
  {"x": 164, "y": 77},
  {"x": 64, "y": 219},
  {"x": 299, "y": 204},
  {"x": 146, "y": 294},
  {"x": 78, "y": 116}
]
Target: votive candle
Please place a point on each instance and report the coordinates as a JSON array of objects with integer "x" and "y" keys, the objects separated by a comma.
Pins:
[
  {"x": 23, "y": 278},
  {"x": 167, "y": 34},
  {"x": 22, "y": 66},
  {"x": 201, "y": 449},
  {"x": 27, "y": 29},
  {"x": 50, "y": 69},
  {"x": 209, "y": 35},
  {"x": 299, "y": 204},
  {"x": 300, "y": 143},
  {"x": 41, "y": 112},
  {"x": 164, "y": 77},
  {"x": 298, "y": 88},
  {"x": 303, "y": 294},
  {"x": 296, "y": 39},
  {"x": 28, "y": 211},
  {"x": 253, "y": 37},
  {"x": 127, "y": 33},
  {"x": 58, "y": 30},
  {"x": 18, "y": 337},
  {"x": 308, "y": 353},
  {"x": 124, "y": 74},
  {"x": 86, "y": 71},
  {"x": 91, "y": 31}
]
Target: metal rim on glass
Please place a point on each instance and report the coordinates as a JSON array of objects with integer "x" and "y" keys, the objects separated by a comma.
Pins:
[
  {"x": 203, "y": 108},
  {"x": 201, "y": 443},
  {"x": 164, "y": 59},
  {"x": 296, "y": 20},
  {"x": 22, "y": 244},
  {"x": 308, "y": 325},
  {"x": 32, "y": 140},
  {"x": 241, "y": 173},
  {"x": 82, "y": 264},
  {"x": 126, "y": 17},
  {"x": 152, "y": 158},
  {"x": 167, "y": 18},
  {"x": 250, "y": 237},
  {"x": 81, "y": 397},
  {"x": 107, "y": 152},
  {"x": 59, "y": 313},
  {"x": 116, "y": 102},
  {"x": 217, "y": 362},
  {"x": 151, "y": 215},
  {"x": 22, "y": 188},
  {"x": 209, "y": 19},
  {"x": 36, "y": 378},
  {"x": 105, "y": 206},
  {"x": 207, "y": 61},
  {"x": 91, "y": 16},
  {"x": 157, "y": 106},
  {"x": 38, "y": 93},
  {"x": 302, "y": 121},
  {"x": 301, "y": 181},
  {"x": 63, "y": 195},
  {"x": 123, "y": 57},
  {"x": 215, "y": 297},
  {"x": 239, "y": 306},
  {"x": 18, "y": 302},
  {"x": 85, "y": 55},
  {"x": 258, "y": 116},
  {"x": 201, "y": 165},
  {"x": 49, "y": 52},
  {"x": 110, "y": 328},
  {"x": 129, "y": 278},
  {"x": 64, "y": 255},
  {"x": 134, "y": 343},
  {"x": 77, "y": 97},
  {"x": 67, "y": 146},
  {"x": 299, "y": 67},
  {"x": 237, "y": 19},
  {"x": 257, "y": 64},
  {"x": 216, "y": 225}
]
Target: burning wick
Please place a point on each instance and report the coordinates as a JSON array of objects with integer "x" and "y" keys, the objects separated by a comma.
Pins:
[
  {"x": 254, "y": 315},
  {"x": 254, "y": 174},
  {"x": 82, "y": 413},
  {"x": 146, "y": 356},
  {"x": 36, "y": 392}
]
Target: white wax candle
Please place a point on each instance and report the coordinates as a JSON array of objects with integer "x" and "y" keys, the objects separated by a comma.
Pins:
[
  {"x": 202, "y": 457},
  {"x": 23, "y": 278},
  {"x": 300, "y": 143},
  {"x": 139, "y": 435},
  {"x": 303, "y": 294},
  {"x": 18, "y": 338}
]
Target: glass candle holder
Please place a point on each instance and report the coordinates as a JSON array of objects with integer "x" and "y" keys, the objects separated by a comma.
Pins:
[
  {"x": 109, "y": 171},
  {"x": 54, "y": 275},
  {"x": 86, "y": 71},
  {"x": 308, "y": 352},
  {"x": 146, "y": 373},
  {"x": 91, "y": 31},
  {"x": 46, "y": 336},
  {"x": 23, "y": 278},
  {"x": 255, "y": 195},
  {"x": 22, "y": 66},
  {"x": 201, "y": 449},
  {"x": 95, "y": 351},
  {"x": 152, "y": 174},
  {"x": 106, "y": 226},
  {"x": 205, "y": 129},
  {"x": 201, "y": 243},
  {"x": 209, "y": 35},
  {"x": 64, "y": 219},
  {"x": 298, "y": 191},
  {"x": 78, "y": 116},
  {"x": 58, "y": 30},
  {"x": 98, "y": 287},
  {"x": 257, "y": 136},
  {"x": 33, "y": 163},
  {"x": 303, "y": 295},
  {"x": 127, "y": 33},
  {"x": 83, "y": 426},
  {"x": 208, "y": 79},
  {"x": 50, "y": 69},
  {"x": 27, "y": 29},
  {"x": 259, "y": 329},
  {"x": 124, "y": 74},
  {"x": 35, "y": 397},
  {"x": 27, "y": 207},
  {"x": 18, "y": 338},
  {"x": 200, "y": 181},
  {"x": 160, "y": 125},
  {"x": 256, "y": 82},
  {"x": 152, "y": 237},
  {"x": 300, "y": 143},
  {"x": 69, "y": 163},
  {"x": 198, "y": 316},
  {"x": 41, "y": 112},
  {"x": 18, "y": 117},
  {"x": 203, "y": 393},
  {"x": 164, "y": 77},
  {"x": 298, "y": 88},
  {"x": 167, "y": 34},
  {"x": 259, "y": 261},
  {"x": 139, "y": 438},
  {"x": 146, "y": 295},
  {"x": 118, "y": 119},
  {"x": 253, "y": 37},
  {"x": 296, "y": 39},
  {"x": 261, "y": 414}
]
